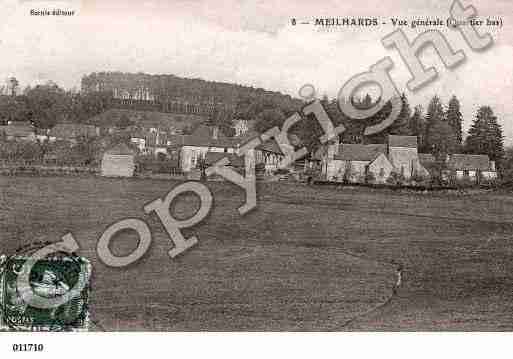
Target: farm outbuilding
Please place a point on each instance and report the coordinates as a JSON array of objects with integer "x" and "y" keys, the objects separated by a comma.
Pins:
[{"x": 118, "y": 162}]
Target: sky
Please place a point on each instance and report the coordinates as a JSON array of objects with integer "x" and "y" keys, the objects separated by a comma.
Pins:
[{"x": 253, "y": 43}]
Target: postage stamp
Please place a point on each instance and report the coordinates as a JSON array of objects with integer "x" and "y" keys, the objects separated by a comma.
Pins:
[{"x": 56, "y": 297}]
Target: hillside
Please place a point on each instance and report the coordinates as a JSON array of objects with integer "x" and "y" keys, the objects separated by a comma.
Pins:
[
  {"x": 148, "y": 119},
  {"x": 169, "y": 93}
]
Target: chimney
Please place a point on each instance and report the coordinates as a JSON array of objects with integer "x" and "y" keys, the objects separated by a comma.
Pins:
[
  {"x": 492, "y": 166},
  {"x": 333, "y": 149}
]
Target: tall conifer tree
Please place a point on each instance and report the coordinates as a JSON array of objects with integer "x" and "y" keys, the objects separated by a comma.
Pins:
[
  {"x": 455, "y": 119},
  {"x": 485, "y": 136}
]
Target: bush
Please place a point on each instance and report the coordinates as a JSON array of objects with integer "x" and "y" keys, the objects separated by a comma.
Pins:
[
  {"x": 391, "y": 180},
  {"x": 395, "y": 179},
  {"x": 369, "y": 177},
  {"x": 260, "y": 167},
  {"x": 155, "y": 166},
  {"x": 465, "y": 182},
  {"x": 282, "y": 171},
  {"x": 417, "y": 178}
]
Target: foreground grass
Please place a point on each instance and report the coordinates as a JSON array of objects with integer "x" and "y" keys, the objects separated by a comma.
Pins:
[{"x": 309, "y": 258}]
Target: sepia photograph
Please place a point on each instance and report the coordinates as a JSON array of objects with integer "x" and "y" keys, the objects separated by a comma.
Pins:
[{"x": 255, "y": 166}]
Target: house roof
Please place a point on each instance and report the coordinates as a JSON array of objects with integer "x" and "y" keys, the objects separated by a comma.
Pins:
[
  {"x": 207, "y": 136},
  {"x": 359, "y": 152},
  {"x": 20, "y": 123},
  {"x": 18, "y": 129},
  {"x": 120, "y": 149},
  {"x": 213, "y": 157},
  {"x": 72, "y": 130},
  {"x": 270, "y": 146},
  {"x": 426, "y": 158},
  {"x": 402, "y": 141},
  {"x": 469, "y": 162},
  {"x": 147, "y": 119},
  {"x": 203, "y": 140}
]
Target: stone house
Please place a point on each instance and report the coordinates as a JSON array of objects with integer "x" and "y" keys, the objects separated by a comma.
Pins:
[
  {"x": 404, "y": 156},
  {"x": 356, "y": 162}
]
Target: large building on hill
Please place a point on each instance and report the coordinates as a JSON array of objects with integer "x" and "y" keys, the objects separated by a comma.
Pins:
[
  {"x": 173, "y": 94},
  {"x": 164, "y": 93}
]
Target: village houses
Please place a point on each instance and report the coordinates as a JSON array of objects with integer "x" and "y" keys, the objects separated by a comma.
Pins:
[
  {"x": 209, "y": 139},
  {"x": 358, "y": 163}
]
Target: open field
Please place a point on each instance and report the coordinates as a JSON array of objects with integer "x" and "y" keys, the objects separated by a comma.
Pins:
[{"x": 309, "y": 258}]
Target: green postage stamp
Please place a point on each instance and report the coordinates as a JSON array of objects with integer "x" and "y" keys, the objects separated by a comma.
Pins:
[{"x": 46, "y": 294}]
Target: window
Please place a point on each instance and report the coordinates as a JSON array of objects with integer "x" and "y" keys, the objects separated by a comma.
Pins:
[{"x": 381, "y": 172}]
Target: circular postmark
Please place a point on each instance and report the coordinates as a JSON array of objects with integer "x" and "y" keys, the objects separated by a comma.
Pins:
[{"x": 44, "y": 287}]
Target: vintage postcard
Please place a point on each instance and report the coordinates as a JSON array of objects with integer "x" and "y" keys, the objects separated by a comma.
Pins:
[{"x": 256, "y": 166}]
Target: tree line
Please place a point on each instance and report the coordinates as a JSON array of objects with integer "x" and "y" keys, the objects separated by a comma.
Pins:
[
  {"x": 439, "y": 129},
  {"x": 47, "y": 104}
]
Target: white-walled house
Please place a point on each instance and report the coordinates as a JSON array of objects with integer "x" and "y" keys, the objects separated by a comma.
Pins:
[
  {"x": 270, "y": 155},
  {"x": 241, "y": 127},
  {"x": 203, "y": 140},
  {"x": 208, "y": 139},
  {"x": 472, "y": 167}
]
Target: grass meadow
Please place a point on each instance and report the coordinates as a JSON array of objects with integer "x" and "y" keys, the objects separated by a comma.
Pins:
[{"x": 308, "y": 258}]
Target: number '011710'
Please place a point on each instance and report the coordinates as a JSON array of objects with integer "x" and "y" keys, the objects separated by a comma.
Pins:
[{"x": 27, "y": 347}]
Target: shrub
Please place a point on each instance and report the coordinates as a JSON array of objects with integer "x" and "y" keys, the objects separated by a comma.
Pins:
[
  {"x": 395, "y": 179},
  {"x": 369, "y": 177},
  {"x": 418, "y": 178},
  {"x": 282, "y": 171},
  {"x": 259, "y": 167},
  {"x": 391, "y": 180},
  {"x": 465, "y": 182}
]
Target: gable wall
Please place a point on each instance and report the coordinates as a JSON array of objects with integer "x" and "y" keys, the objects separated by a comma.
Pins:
[
  {"x": 404, "y": 159},
  {"x": 381, "y": 168},
  {"x": 118, "y": 165}
]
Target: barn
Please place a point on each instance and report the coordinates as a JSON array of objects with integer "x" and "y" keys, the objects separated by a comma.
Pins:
[{"x": 118, "y": 162}]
